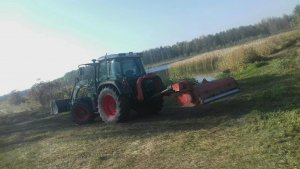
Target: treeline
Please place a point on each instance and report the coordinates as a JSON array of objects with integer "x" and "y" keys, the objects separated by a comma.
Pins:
[{"x": 222, "y": 39}]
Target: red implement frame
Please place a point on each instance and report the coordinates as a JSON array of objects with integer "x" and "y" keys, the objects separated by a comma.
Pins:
[
  {"x": 205, "y": 92},
  {"x": 189, "y": 93}
]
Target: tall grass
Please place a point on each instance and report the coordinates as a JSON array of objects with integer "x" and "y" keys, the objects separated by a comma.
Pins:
[{"x": 234, "y": 58}]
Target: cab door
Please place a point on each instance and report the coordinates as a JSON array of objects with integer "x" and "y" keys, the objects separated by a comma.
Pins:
[{"x": 102, "y": 71}]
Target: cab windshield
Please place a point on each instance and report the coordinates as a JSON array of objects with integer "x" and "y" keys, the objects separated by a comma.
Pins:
[{"x": 129, "y": 67}]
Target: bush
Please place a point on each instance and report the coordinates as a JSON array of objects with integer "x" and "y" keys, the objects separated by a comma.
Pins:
[
  {"x": 43, "y": 92},
  {"x": 15, "y": 98},
  {"x": 251, "y": 56},
  {"x": 200, "y": 64},
  {"x": 238, "y": 59},
  {"x": 232, "y": 61}
]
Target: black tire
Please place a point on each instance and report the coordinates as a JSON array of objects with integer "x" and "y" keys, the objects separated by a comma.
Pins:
[
  {"x": 151, "y": 107},
  {"x": 59, "y": 106},
  {"x": 111, "y": 106},
  {"x": 82, "y": 113},
  {"x": 53, "y": 107}
]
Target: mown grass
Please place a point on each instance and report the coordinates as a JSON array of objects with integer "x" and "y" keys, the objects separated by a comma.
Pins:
[
  {"x": 258, "y": 128},
  {"x": 8, "y": 108},
  {"x": 234, "y": 58}
]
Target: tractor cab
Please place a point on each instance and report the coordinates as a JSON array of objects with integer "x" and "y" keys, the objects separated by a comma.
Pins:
[
  {"x": 118, "y": 70},
  {"x": 119, "y": 66},
  {"x": 116, "y": 66}
]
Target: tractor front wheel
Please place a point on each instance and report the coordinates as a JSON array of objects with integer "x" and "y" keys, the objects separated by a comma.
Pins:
[{"x": 111, "y": 106}]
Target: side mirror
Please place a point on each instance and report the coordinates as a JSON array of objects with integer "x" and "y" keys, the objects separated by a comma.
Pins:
[{"x": 81, "y": 72}]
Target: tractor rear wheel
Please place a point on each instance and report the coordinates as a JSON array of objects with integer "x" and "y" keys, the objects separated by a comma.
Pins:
[
  {"x": 82, "y": 113},
  {"x": 112, "y": 107}
]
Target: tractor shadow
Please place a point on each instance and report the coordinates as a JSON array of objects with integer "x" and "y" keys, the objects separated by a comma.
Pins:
[
  {"x": 258, "y": 94},
  {"x": 29, "y": 127},
  {"x": 264, "y": 94}
]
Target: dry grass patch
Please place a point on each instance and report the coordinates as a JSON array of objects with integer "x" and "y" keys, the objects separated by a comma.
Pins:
[{"x": 234, "y": 58}]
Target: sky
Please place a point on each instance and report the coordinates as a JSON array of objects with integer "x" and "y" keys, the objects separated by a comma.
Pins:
[{"x": 41, "y": 40}]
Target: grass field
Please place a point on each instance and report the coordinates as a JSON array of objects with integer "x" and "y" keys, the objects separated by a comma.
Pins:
[{"x": 257, "y": 128}]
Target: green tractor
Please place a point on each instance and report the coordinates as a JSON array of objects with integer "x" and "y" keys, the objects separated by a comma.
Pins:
[
  {"x": 112, "y": 85},
  {"x": 108, "y": 87}
]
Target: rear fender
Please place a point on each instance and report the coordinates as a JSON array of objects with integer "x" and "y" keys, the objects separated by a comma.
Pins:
[
  {"x": 157, "y": 82},
  {"x": 121, "y": 88}
]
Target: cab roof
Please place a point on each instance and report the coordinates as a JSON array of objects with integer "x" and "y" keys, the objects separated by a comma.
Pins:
[{"x": 120, "y": 55}]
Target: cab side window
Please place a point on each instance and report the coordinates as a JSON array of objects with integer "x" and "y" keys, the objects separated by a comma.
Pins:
[
  {"x": 114, "y": 69},
  {"x": 102, "y": 70},
  {"x": 87, "y": 73}
]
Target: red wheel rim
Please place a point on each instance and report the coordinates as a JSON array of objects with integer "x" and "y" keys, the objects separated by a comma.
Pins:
[
  {"x": 81, "y": 114},
  {"x": 109, "y": 106}
]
